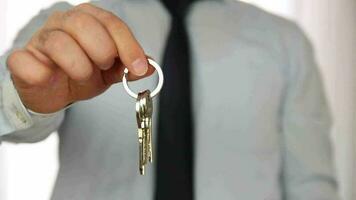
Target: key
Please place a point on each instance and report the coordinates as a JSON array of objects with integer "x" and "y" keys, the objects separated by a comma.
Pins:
[
  {"x": 141, "y": 152},
  {"x": 147, "y": 108},
  {"x": 149, "y": 146},
  {"x": 144, "y": 108},
  {"x": 141, "y": 134}
]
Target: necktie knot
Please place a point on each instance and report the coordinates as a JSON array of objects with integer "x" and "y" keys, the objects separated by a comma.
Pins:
[{"x": 177, "y": 8}]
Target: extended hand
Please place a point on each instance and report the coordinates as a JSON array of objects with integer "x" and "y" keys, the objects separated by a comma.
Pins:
[{"x": 76, "y": 55}]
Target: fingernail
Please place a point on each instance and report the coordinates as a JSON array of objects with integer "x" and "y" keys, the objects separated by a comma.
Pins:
[{"x": 140, "y": 66}]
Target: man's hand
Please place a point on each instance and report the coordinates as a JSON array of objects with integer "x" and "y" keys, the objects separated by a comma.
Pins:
[{"x": 76, "y": 55}]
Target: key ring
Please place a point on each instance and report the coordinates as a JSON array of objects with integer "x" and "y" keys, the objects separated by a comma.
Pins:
[{"x": 155, "y": 91}]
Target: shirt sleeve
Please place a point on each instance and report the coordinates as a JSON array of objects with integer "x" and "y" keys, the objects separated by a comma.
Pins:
[
  {"x": 17, "y": 124},
  {"x": 308, "y": 167}
]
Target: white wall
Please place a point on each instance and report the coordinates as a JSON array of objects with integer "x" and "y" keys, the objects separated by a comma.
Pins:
[
  {"x": 2, "y": 42},
  {"x": 331, "y": 25}
]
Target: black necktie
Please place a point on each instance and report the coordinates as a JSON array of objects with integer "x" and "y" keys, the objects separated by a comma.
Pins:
[{"x": 174, "y": 172}]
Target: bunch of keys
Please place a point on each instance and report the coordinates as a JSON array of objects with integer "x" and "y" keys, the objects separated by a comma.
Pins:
[{"x": 144, "y": 110}]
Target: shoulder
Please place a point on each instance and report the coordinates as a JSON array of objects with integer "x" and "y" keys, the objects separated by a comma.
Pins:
[
  {"x": 285, "y": 32},
  {"x": 242, "y": 24},
  {"x": 248, "y": 19},
  {"x": 250, "y": 23}
]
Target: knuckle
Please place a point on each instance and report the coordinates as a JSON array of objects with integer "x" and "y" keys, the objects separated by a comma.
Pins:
[
  {"x": 70, "y": 12},
  {"x": 37, "y": 78},
  {"x": 42, "y": 38},
  {"x": 84, "y": 6},
  {"x": 54, "y": 16},
  {"x": 108, "y": 16},
  {"x": 53, "y": 40},
  {"x": 84, "y": 72},
  {"x": 107, "y": 53},
  {"x": 114, "y": 22},
  {"x": 12, "y": 59},
  {"x": 33, "y": 77},
  {"x": 78, "y": 19}
]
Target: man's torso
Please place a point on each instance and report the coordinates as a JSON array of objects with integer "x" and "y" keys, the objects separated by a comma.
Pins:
[{"x": 238, "y": 83}]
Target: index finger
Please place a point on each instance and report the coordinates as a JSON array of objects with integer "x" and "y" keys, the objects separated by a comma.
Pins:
[{"x": 129, "y": 50}]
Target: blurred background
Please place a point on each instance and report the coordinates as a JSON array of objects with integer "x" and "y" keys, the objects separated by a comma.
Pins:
[{"x": 28, "y": 171}]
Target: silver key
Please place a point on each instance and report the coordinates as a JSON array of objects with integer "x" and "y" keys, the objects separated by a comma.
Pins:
[{"x": 144, "y": 108}]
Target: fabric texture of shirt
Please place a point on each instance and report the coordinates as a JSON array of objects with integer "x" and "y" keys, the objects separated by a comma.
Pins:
[{"x": 261, "y": 118}]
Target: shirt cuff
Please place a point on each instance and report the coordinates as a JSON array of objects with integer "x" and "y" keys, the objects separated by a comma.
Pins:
[
  {"x": 18, "y": 115},
  {"x": 14, "y": 109}
]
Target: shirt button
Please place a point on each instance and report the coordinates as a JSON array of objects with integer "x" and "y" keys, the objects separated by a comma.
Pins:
[{"x": 21, "y": 117}]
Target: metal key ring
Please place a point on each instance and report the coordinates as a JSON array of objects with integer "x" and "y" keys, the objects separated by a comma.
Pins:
[{"x": 155, "y": 91}]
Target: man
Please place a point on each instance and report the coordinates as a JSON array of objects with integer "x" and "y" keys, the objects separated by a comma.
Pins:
[{"x": 260, "y": 119}]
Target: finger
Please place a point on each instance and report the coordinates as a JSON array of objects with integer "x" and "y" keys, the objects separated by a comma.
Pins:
[
  {"x": 25, "y": 67},
  {"x": 129, "y": 50},
  {"x": 112, "y": 75},
  {"x": 133, "y": 77},
  {"x": 89, "y": 33},
  {"x": 115, "y": 73},
  {"x": 66, "y": 53}
]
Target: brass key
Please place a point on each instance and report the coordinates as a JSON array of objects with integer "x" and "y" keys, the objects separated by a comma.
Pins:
[{"x": 144, "y": 108}]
